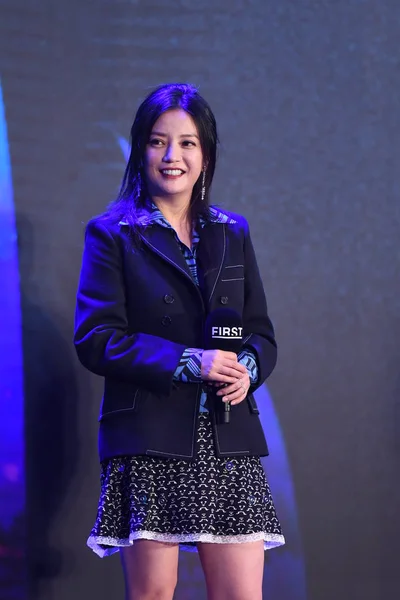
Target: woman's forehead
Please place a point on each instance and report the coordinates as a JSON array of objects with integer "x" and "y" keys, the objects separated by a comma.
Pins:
[{"x": 175, "y": 121}]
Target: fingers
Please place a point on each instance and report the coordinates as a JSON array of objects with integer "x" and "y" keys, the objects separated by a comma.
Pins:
[
  {"x": 229, "y": 374},
  {"x": 235, "y": 370},
  {"x": 223, "y": 379},
  {"x": 220, "y": 366},
  {"x": 238, "y": 367},
  {"x": 228, "y": 355},
  {"x": 235, "y": 393}
]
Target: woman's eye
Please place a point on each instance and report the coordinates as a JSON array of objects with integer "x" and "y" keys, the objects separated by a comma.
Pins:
[
  {"x": 155, "y": 142},
  {"x": 188, "y": 143}
]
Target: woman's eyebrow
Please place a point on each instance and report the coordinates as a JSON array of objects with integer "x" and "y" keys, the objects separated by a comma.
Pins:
[{"x": 160, "y": 134}]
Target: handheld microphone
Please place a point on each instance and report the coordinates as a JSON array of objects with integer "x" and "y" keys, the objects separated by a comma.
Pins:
[{"x": 224, "y": 331}]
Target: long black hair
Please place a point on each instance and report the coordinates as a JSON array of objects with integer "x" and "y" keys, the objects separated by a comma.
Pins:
[{"x": 133, "y": 193}]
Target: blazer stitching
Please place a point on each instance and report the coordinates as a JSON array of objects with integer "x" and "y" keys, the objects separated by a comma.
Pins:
[
  {"x": 220, "y": 268},
  {"x": 235, "y": 279},
  {"x": 170, "y": 261},
  {"x": 227, "y": 453},
  {"x": 195, "y": 414},
  {"x": 230, "y": 452},
  {"x": 150, "y": 450},
  {"x": 234, "y": 266},
  {"x": 111, "y": 412},
  {"x": 234, "y": 452}
]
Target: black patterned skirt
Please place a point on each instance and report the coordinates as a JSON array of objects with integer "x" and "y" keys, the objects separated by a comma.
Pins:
[{"x": 210, "y": 499}]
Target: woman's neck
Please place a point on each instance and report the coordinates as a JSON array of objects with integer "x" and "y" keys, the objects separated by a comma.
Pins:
[
  {"x": 176, "y": 213},
  {"x": 178, "y": 216}
]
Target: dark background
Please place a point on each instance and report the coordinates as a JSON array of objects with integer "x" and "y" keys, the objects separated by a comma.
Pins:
[{"x": 306, "y": 94}]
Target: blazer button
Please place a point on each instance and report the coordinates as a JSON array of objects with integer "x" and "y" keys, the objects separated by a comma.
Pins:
[
  {"x": 166, "y": 321},
  {"x": 168, "y": 299},
  {"x": 224, "y": 299}
]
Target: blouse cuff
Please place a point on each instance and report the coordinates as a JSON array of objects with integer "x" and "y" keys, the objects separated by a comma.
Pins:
[
  {"x": 247, "y": 358},
  {"x": 189, "y": 368}
]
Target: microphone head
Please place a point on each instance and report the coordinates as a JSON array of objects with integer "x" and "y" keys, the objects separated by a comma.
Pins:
[{"x": 224, "y": 330}]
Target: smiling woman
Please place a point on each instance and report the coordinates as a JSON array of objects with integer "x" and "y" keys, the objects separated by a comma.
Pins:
[
  {"x": 173, "y": 163},
  {"x": 157, "y": 266},
  {"x": 174, "y": 154}
]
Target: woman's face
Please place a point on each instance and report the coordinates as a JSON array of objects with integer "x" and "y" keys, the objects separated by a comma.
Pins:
[{"x": 173, "y": 159}]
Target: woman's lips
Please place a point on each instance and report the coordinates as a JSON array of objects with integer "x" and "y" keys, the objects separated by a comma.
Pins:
[{"x": 172, "y": 173}]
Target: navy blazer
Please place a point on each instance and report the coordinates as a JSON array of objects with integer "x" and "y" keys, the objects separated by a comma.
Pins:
[{"x": 138, "y": 309}]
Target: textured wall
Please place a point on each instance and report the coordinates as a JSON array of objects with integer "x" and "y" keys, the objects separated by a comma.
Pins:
[{"x": 306, "y": 95}]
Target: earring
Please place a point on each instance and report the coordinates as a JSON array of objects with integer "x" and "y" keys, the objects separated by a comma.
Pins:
[
  {"x": 138, "y": 184},
  {"x": 203, "y": 186}
]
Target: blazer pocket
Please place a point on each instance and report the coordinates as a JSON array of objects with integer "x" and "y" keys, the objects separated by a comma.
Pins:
[
  {"x": 252, "y": 405},
  {"x": 233, "y": 273},
  {"x": 117, "y": 401}
]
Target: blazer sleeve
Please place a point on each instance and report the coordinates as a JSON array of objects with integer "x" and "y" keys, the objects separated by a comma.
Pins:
[
  {"x": 102, "y": 338},
  {"x": 257, "y": 326}
]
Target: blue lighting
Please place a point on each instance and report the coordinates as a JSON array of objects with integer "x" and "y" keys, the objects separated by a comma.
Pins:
[{"x": 12, "y": 488}]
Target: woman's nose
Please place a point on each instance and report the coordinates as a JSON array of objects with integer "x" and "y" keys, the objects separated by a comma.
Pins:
[{"x": 171, "y": 153}]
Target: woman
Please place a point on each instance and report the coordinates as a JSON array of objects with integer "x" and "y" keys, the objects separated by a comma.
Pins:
[{"x": 155, "y": 266}]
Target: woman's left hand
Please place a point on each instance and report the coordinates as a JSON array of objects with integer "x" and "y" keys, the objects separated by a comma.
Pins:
[{"x": 235, "y": 392}]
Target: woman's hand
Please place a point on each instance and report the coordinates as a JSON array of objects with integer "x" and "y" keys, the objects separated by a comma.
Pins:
[
  {"x": 221, "y": 367},
  {"x": 236, "y": 392}
]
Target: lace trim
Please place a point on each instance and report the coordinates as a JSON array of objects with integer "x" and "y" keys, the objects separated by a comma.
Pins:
[{"x": 271, "y": 540}]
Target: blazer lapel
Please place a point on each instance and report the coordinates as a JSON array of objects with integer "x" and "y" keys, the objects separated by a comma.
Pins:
[
  {"x": 161, "y": 240},
  {"x": 210, "y": 254},
  {"x": 210, "y": 258}
]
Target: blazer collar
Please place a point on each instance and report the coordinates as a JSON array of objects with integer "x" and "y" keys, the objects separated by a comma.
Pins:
[
  {"x": 210, "y": 254},
  {"x": 151, "y": 214},
  {"x": 161, "y": 240},
  {"x": 211, "y": 248}
]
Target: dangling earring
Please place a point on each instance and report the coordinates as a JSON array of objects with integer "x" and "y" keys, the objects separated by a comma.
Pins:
[
  {"x": 138, "y": 184},
  {"x": 203, "y": 186}
]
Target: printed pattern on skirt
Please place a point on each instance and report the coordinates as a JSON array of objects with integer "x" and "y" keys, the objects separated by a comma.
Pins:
[{"x": 211, "y": 499}]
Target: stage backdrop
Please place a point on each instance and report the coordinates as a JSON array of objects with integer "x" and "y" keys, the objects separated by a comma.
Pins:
[{"x": 306, "y": 95}]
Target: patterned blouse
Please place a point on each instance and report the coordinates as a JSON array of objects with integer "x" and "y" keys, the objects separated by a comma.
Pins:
[{"x": 189, "y": 368}]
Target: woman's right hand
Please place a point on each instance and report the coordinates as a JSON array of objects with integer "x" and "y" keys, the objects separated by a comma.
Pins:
[{"x": 220, "y": 366}]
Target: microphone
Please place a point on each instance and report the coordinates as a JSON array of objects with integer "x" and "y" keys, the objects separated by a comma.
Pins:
[{"x": 224, "y": 331}]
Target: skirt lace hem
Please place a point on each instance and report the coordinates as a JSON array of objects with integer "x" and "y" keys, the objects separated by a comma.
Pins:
[{"x": 187, "y": 541}]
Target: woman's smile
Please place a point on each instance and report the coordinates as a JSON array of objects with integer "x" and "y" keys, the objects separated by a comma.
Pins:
[{"x": 174, "y": 158}]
